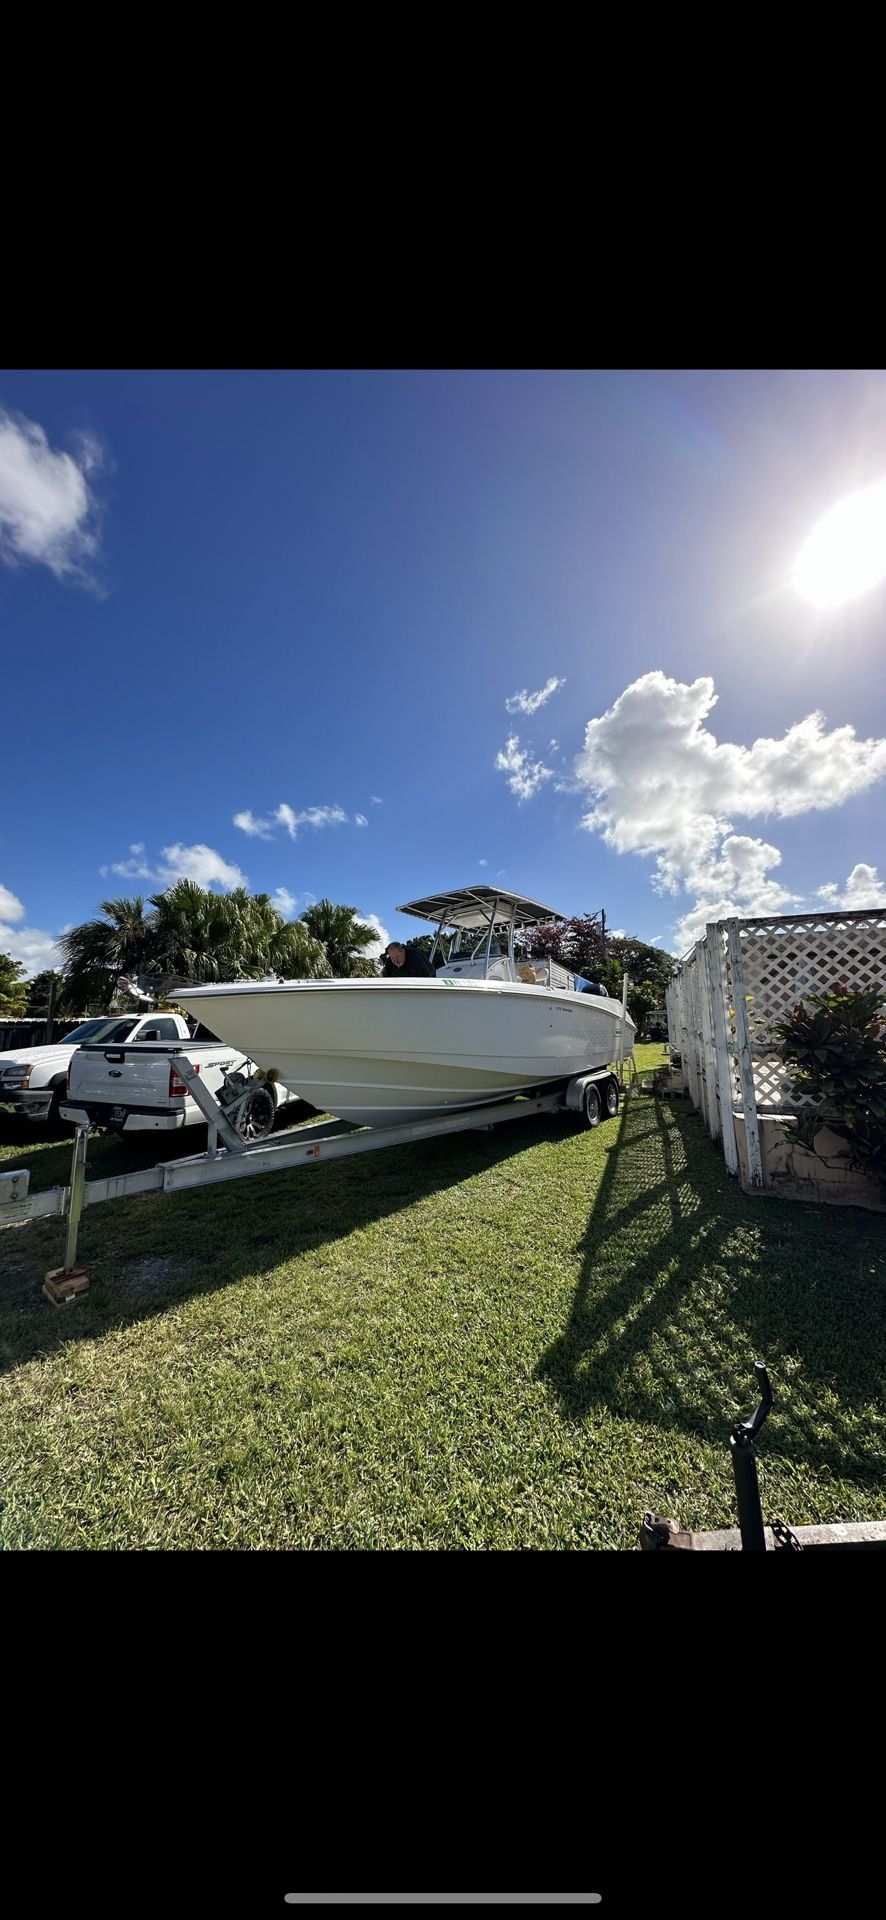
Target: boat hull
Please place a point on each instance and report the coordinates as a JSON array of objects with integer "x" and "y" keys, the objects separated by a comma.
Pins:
[{"x": 382, "y": 1052}]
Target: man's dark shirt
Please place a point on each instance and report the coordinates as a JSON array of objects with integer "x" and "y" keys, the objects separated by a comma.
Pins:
[{"x": 415, "y": 966}]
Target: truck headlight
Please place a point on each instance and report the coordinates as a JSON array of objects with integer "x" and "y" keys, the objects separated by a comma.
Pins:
[{"x": 17, "y": 1078}]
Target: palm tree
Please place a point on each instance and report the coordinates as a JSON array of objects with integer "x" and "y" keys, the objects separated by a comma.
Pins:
[
  {"x": 343, "y": 936},
  {"x": 235, "y": 936},
  {"x": 198, "y": 933},
  {"x": 97, "y": 954}
]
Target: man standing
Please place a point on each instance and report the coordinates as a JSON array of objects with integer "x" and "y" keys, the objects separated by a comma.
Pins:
[{"x": 405, "y": 963}]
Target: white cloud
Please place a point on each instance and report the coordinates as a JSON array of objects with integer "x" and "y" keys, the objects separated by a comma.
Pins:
[
  {"x": 10, "y": 907},
  {"x": 864, "y": 888},
  {"x": 138, "y": 846},
  {"x": 376, "y": 800},
  {"x": 33, "y": 946},
  {"x": 178, "y": 862},
  {"x": 375, "y": 951},
  {"x": 482, "y": 863},
  {"x": 530, "y": 702},
  {"x": 665, "y": 787},
  {"x": 130, "y": 869},
  {"x": 199, "y": 863},
  {"x": 286, "y": 816},
  {"x": 48, "y": 513},
  {"x": 284, "y": 901},
  {"x": 361, "y": 820},
  {"x": 525, "y": 776},
  {"x": 248, "y": 823}
]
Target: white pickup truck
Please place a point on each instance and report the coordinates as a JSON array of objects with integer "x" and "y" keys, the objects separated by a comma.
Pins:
[
  {"x": 33, "y": 1080},
  {"x": 137, "y": 1089}
]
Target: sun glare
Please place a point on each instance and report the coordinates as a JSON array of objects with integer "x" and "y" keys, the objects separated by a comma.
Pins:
[{"x": 845, "y": 554}]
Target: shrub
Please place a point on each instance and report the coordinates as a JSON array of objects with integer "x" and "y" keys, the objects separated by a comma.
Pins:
[{"x": 837, "y": 1044}]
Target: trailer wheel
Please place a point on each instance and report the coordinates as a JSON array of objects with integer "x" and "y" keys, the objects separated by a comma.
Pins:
[
  {"x": 256, "y": 1119},
  {"x": 609, "y": 1092},
  {"x": 591, "y": 1106}
]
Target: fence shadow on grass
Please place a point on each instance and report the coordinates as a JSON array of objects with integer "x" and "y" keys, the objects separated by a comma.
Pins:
[
  {"x": 151, "y": 1252},
  {"x": 685, "y": 1281}
]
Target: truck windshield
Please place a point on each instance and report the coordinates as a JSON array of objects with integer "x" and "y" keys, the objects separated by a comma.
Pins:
[{"x": 98, "y": 1030}]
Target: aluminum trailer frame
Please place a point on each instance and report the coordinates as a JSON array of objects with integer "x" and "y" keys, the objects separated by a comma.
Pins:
[{"x": 302, "y": 1147}]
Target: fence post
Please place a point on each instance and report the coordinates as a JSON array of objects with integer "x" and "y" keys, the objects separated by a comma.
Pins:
[
  {"x": 717, "y": 983},
  {"x": 712, "y": 1111},
  {"x": 745, "y": 1062}
]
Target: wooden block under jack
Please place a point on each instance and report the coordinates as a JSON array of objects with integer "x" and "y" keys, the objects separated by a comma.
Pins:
[{"x": 63, "y": 1288}]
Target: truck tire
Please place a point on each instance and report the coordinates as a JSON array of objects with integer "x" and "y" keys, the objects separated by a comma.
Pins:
[
  {"x": 54, "y": 1118},
  {"x": 256, "y": 1119}
]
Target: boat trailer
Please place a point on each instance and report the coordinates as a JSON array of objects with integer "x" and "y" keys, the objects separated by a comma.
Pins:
[{"x": 594, "y": 1096}]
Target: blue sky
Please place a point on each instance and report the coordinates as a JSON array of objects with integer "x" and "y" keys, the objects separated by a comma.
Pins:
[{"x": 307, "y": 599}]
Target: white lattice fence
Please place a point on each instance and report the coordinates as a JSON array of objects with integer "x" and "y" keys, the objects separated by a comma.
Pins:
[
  {"x": 732, "y": 989},
  {"x": 789, "y": 959}
]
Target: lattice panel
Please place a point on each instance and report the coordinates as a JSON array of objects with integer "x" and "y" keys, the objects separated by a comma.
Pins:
[
  {"x": 785, "y": 964},
  {"x": 785, "y": 961}
]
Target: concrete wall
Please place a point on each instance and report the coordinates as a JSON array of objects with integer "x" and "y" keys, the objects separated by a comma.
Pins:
[{"x": 796, "y": 1173}]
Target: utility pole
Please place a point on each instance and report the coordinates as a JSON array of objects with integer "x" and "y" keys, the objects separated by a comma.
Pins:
[{"x": 50, "y": 1020}]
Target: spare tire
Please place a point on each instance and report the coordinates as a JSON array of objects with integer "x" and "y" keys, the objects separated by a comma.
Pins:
[{"x": 256, "y": 1117}]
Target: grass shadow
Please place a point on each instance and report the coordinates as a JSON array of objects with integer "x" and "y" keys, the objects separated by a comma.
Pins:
[{"x": 685, "y": 1281}]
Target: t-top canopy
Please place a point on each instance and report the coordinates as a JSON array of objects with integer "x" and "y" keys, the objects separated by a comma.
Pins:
[{"x": 472, "y": 907}]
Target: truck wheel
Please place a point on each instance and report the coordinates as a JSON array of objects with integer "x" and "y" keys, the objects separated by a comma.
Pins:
[
  {"x": 256, "y": 1119},
  {"x": 54, "y": 1116}
]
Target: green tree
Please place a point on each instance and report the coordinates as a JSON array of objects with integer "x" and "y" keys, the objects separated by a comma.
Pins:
[
  {"x": 13, "y": 987},
  {"x": 39, "y": 990},
  {"x": 97, "y": 954},
  {"x": 343, "y": 936},
  {"x": 641, "y": 1003},
  {"x": 206, "y": 936},
  {"x": 647, "y": 966}
]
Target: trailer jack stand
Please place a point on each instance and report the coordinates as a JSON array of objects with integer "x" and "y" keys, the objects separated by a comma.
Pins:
[{"x": 64, "y": 1285}]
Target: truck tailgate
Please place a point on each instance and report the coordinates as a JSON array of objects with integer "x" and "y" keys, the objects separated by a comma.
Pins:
[{"x": 138, "y": 1076}]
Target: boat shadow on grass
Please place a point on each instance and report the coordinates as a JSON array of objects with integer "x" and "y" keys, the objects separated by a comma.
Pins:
[
  {"x": 686, "y": 1281},
  {"x": 153, "y": 1251}
]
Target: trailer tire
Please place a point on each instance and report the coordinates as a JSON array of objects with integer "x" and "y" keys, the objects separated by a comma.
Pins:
[
  {"x": 610, "y": 1095},
  {"x": 256, "y": 1119},
  {"x": 592, "y": 1105}
]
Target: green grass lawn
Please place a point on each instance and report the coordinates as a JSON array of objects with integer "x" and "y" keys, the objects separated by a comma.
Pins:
[{"x": 515, "y": 1339}]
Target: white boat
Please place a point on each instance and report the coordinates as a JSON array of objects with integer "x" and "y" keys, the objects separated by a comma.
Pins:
[{"x": 492, "y": 1022}]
